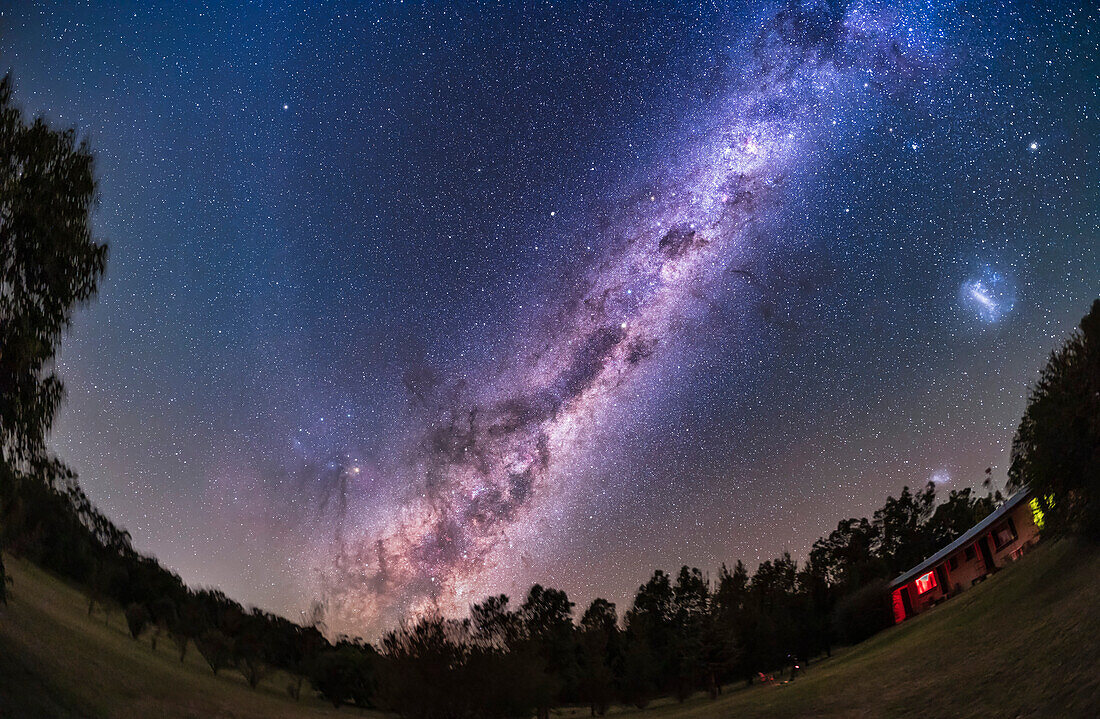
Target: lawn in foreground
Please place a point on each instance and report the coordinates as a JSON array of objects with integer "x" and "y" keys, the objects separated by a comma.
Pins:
[
  {"x": 56, "y": 661},
  {"x": 1024, "y": 643}
]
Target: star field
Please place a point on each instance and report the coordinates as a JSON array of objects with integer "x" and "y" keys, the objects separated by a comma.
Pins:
[{"x": 415, "y": 302}]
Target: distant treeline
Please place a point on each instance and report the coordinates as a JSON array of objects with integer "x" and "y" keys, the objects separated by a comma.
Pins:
[{"x": 682, "y": 634}]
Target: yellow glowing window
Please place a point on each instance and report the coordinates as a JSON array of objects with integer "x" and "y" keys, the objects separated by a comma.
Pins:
[
  {"x": 926, "y": 582},
  {"x": 1036, "y": 512}
]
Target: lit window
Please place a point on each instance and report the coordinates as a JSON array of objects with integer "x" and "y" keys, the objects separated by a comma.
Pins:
[
  {"x": 1037, "y": 511},
  {"x": 926, "y": 582}
]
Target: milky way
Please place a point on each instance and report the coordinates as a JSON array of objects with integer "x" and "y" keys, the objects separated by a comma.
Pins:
[{"x": 489, "y": 463}]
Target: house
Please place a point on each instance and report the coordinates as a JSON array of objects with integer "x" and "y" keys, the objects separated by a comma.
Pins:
[{"x": 1002, "y": 537}]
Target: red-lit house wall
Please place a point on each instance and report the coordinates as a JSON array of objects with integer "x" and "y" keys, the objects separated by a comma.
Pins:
[
  {"x": 899, "y": 607},
  {"x": 966, "y": 571}
]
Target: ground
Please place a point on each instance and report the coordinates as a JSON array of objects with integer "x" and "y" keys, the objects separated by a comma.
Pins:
[
  {"x": 1022, "y": 644},
  {"x": 56, "y": 661}
]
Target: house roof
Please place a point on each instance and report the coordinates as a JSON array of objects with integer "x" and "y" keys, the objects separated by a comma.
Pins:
[{"x": 967, "y": 537}]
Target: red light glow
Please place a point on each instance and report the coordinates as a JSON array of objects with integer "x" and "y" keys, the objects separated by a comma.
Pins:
[
  {"x": 926, "y": 582},
  {"x": 899, "y": 607}
]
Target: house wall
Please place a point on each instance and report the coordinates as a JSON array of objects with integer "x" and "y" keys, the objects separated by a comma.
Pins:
[
  {"x": 921, "y": 602},
  {"x": 967, "y": 571},
  {"x": 1027, "y": 534}
]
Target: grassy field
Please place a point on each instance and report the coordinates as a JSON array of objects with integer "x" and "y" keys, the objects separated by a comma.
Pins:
[
  {"x": 1025, "y": 643},
  {"x": 56, "y": 661}
]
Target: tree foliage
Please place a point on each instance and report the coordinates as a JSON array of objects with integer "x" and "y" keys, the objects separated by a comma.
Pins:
[
  {"x": 137, "y": 619},
  {"x": 1056, "y": 450},
  {"x": 49, "y": 264},
  {"x": 864, "y": 612},
  {"x": 216, "y": 648}
]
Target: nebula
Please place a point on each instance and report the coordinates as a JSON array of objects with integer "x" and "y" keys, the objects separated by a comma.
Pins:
[{"x": 489, "y": 459}]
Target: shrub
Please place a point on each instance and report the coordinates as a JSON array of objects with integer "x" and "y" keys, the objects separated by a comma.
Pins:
[
  {"x": 863, "y": 612},
  {"x": 137, "y": 617},
  {"x": 344, "y": 676},
  {"x": 215, "y": 648}
]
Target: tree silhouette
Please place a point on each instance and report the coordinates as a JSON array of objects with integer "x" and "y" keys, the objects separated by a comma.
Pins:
[
  {"x": 305, "y": 645},
  {"x": 1056, "y": 451},
  {"x": 494, "y": 625},
  {"x": 216, "y": 648},
  {"x": 598, "y": 652},
  {"x": 137, "y": 618},
  {"x": 648, "y": 641},
  {"x": 904, "y": 538},
  {"x": 344, "y": 675},
  {"x": 49, "y": 264},
  {"x": 731, "y": 617},
  {"x": 251, "y": 646},
  {"x": 187, "y": 626},
  {"x": 691, "y": 599},
  {"x": 164, "y": 615},
  {"x": 642, "y": 676},
  {"x": 962, "y": 509},
  {"x": 863, "y": 612},
  {"x": 424, "y": 666},
  {"x": 106, "y": 577},
  {"x": 547, "y": 618},
  {"x": 847, "y": 556}
]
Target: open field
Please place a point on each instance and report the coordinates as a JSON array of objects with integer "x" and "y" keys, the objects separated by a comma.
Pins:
[
  {"x": 1022, "y": 644},
  {"x": 56, "y": 661}
]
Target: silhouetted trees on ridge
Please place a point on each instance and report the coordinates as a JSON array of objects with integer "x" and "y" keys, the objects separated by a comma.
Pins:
[{"x": 682, "y": 634}]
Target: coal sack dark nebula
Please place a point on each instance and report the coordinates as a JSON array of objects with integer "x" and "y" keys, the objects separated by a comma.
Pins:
[{"x": 412, "y": 303}]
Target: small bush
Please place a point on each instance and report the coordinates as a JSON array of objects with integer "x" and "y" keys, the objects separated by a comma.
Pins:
[
  {"x": 215, "y": 648},
  {"x": 864, "y": 612},
  {"x": 344, "y": 676},
  {"x": 137, "y": 617}
]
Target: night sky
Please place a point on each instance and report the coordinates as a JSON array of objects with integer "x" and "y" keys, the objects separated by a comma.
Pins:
[{"x": 408, "y": 303}]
